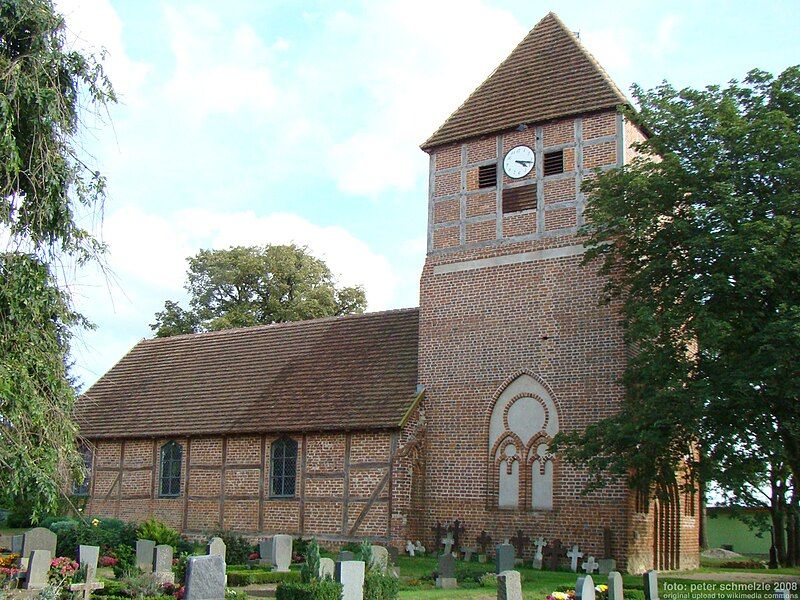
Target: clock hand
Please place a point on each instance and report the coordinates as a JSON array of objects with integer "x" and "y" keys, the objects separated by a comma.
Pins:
[{"x": 524, "y": 162}]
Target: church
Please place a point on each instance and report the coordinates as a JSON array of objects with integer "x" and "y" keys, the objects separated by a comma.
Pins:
[{"x": 391, "y": 425}]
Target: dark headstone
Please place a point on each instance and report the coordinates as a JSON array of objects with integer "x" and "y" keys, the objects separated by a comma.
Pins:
[
  {"x": 552, "y": 555},
  {"x": 504, "y": 558},
  {"x": 483, "y": 540},
  {"x": 457, "y": 528},
  {"x": 446, "y": 575},
  {"x": 520, "y": 541},
  {"x": 346, "y": 555},
  {"x": 438, "y": 532}
]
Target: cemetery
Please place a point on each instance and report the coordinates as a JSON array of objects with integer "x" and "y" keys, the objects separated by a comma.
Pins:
[{"x": 120, "y": 564}]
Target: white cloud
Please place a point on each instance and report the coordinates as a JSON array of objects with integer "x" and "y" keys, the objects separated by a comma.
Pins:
[
  {"x": 94, "y": 26},
  {"x": 664, "y": 41}
]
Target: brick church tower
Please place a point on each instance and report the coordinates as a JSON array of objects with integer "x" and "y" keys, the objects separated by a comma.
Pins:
[{"x": 514, "y": 345}]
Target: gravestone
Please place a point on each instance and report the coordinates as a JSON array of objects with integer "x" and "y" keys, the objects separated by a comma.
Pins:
[
  {"x": 265, "y": 552},
  {"x": 552, "y": 554},
  {"x": 346, "y": 555},
  {"x": 38, "y": 569},
  {"x": 37, "y": 538},
  {"x": 144, "y": 555},
  {"x": 589, "y": 565},
  {"x": 483, "y": 541},
  {"x": 380, "y": 559},
  {"x": 584, "y": 589},
  {"x": 16, "y": 544},
  {"x": 537, "y": 555},
  {"x": 615, "y": 591},
  {"x": 574, "y": 554},
  {"x": 509, "y": 586},
  {"x": 606, "y": 565},
  {"x": 282, "y": 552},
  {"x": 446, "y": 575},
  {"x": 504, "y": 558},
  {"x": 88, "y": 556},
  {"x": 162, "y": 565},
  {"x": 350, "y": 573},
  {"x": 419, "y": 549},
  {"x": 456, "y": 529},
  {"x": 467, "y": 553},
  {"x": 394, "y": 554},
  {"x": 410, "y": 548},
  {"x": 216, "y": 546},
  {"x": 205, "y": 578},
  {"x": 520, "y": 541},
  {"x": 650, "y": 579},
  {"x": 327, "y": 568}
]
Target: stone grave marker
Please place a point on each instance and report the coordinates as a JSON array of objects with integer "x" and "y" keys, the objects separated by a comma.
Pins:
[
  {"x": 552, "y": 554},
  {"x": 509, "y": 586},
  {"x": 350, "y": 573},
  {"x": 446, "y": 575},
  {"x": 504, "y": 558},
  {"x": 467, "y": 552},
  {"x": 483, "y": 541},
  {"x": 162, "y": 564},
  {"x": 380, "y": 559},
  {"x": 539, "y": 543},
  {"x": 410, "y": 548},
  {"x": 520, "y": 541},
  {"x": 205, "y": 578},
  {"x": 38, "y": 569},
  {"x": 327, "y": 568},
  {"x": 650, "y": 579},
  {"x": 448, "y": 542},
  {"x": 86, "y": 588},
  {"x": 606, "y": 565},
  {"x": 88, "y": 556},
  {"x": 584, "y": 589},
  {"x": 419, "y": 548},
  {"x": 217, "y": 547},
  {"x": 16, "y": 544},
  {"x": 615, "y": 591},
  {"x": 346, "y": 555},
  {"x": 265, "y": 552},
  {"x": 456, "y": 529},
  {"x": 144, "y": 555},
  {"x": 37, "y": 538},
  {"x": 282, "y": 552},
  {"x": 590, "y": 565},
  {"x": 574, "y": 555}
]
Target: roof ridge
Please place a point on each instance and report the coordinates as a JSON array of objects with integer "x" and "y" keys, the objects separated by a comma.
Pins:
[{"x": 279, "y": 325}]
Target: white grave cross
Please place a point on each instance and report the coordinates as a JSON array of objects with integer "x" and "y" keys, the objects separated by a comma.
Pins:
[
  {"x": 590, "y": 565},
  {"x": 410, "y": 548},
  {"x": 574, "y": 555},
  {"x": 448, "y": 543}
]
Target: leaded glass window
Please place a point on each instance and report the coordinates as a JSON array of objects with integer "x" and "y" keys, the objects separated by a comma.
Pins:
[
  {"x": 171, "y": 454},
  {"x": 283, "y": 471}
]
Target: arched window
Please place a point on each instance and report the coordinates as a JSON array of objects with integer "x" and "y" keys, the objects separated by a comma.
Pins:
[
  {"x": 522, "y": 424},
  {"x": 283, "y": 468},
  {"x": 171, "y": 454},
  {"x": 82, "y": 489}
]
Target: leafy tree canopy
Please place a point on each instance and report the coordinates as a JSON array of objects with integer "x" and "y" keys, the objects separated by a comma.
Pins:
[
  {"x": 43, "y": 182},
  {"x": 700, "y": 241},
  {"x": 251, "y": 285}
]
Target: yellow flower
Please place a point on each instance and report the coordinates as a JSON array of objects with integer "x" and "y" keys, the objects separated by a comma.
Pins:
[
  {"x": 95, "y": 522},
  {"x": 602, "y": 588}
]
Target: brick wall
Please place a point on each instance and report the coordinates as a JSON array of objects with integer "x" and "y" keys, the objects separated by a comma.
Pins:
[{"x": 343, "y": 489}]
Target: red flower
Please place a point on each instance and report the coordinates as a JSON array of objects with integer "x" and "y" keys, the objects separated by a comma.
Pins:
[
  {"x": 253, "y": 556},
  {"x": 108, "y": 561}
]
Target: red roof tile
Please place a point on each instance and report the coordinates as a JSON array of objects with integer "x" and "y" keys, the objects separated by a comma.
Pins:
[
  {"x": 353, "y": 372},
  {"x": 547, "y": 76}
]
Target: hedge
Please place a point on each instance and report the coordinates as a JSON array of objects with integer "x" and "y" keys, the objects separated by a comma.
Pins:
[
  {"x": 380, "y": 587},
  {"x": 317, "y": 590},
  {"x": 243, "y": 578}
]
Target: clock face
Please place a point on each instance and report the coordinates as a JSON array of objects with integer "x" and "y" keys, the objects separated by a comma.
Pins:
[{"x": 518, "y": 162}]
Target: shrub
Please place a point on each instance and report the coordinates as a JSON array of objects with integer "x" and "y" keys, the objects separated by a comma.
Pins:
[
  {"x": 111, "y": 587},
  {"x": 299, "y": 549},
  {"x": 365, "y": 553},
  {"x": 234, "y": 595},
  {"x": 353, "y": 547},
  {"x": 318, "y": 590},
  {"x": 380, "y": 587},
  {"x": 310, "y": 570},
  {"x": 473, "y": 574},
  {"x": 245, "y": 578},
  {"x": 141, "y": 585},
  {"x": 633, "y": 594},
  {"x": 126, "y": 561},
  {"x": 179, "y": 568},
  {"x": 237, "y": 548},
  {"x": 490, "y": 580},
  {"x": 106, "y": 533},
  {"x": 159, "y": 532}
]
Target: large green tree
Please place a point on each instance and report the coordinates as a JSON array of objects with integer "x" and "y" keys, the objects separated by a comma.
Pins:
[
  {"x": 700, "y": 241},
  {"x": 255, "y": 285},
  {"x": 44, "y": 182}
]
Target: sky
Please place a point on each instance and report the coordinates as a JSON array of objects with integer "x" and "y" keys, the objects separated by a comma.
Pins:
[{"x": 269, "y": 121}]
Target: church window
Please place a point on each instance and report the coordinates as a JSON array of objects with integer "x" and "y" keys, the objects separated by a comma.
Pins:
[
  {"x": 171, "y": 458},
  {"x": 82, "y": 489},
  {"x": 487, "y": 176},
  {"x": 519, "y": 198},
  {"x": 283, "y": 471},
  {"x": 522, "y": 425},
  {"x": 553, "y": 163}
]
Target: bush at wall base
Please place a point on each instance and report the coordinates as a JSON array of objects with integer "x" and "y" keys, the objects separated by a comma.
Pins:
[{"x": 317, "y": 590}]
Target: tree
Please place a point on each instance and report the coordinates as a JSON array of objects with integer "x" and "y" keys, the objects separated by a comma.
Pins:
[
  {"x": 698, "y": 239},
  {"x": 44, "y": 182},
  {"x": 250, "y": 285}
]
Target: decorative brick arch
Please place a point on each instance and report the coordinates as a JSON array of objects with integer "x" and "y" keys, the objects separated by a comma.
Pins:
[{"x": 499, "y": 434}]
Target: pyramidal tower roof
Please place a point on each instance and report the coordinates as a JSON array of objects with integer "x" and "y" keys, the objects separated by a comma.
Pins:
[{"x": 548, "y": 75}]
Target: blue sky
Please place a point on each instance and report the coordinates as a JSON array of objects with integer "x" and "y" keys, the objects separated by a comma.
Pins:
[{"x": 276, "y": 121}]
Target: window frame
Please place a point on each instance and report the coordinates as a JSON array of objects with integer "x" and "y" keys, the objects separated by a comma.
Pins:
[
  {"x": 279, "y": 475},
  {"x": 163, "y": 478},
  {"x": 83, "y": 490}
]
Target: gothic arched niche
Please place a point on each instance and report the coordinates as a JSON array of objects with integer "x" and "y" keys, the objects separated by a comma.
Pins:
[{"x": 524, "y": 420}]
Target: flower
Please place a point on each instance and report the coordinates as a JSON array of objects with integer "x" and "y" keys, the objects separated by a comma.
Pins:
[
  {"x": 95, "y": 522},
  {"x": 108, "y": 561},
  {"x": 8, "y": 560},
  {"x": 253, "y": 556},
  {"x": 602, "y": 588}
]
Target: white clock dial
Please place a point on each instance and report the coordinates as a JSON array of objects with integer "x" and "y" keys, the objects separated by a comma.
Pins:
[{"x": 518, "y": 162}]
